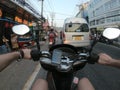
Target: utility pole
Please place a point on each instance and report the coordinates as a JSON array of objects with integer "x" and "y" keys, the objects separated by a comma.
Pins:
[
  {"x": 37, "y": 31},
  {"x": 41, "y": 21},
  {"x": 42, "y": 13}
]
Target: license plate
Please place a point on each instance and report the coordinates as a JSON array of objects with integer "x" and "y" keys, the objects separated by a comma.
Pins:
[{"x": 77, "y": 37}]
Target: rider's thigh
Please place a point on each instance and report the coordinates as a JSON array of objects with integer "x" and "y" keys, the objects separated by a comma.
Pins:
[
  {"x": 40, "y": 84},
  {"x": 85, "y": 84}
]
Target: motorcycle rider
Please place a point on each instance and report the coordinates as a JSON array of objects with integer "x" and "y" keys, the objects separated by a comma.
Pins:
[
  {"x": 40, "y": 84},
  {"x": 52, "y": 35}
]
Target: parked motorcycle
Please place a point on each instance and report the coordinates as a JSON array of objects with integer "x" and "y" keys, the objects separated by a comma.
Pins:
[{"x": 62, "y": 61}]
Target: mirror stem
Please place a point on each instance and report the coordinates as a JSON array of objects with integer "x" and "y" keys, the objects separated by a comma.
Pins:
[{"x": 37, "y": 40}]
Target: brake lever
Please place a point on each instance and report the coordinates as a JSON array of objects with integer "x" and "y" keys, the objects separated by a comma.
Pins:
[
  {"x": 84, "y": 54},
  {"x": 82, "y": 57}
]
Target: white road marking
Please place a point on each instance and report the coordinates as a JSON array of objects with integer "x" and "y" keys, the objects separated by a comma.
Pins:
[{"x": 31, "y": 79}]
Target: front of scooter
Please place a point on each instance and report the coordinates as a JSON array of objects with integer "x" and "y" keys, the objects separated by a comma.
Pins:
[{"x": 63, "y": 59}]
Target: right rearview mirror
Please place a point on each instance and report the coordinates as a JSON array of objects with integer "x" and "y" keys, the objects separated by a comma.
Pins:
[{"x": 111, "y": 33}]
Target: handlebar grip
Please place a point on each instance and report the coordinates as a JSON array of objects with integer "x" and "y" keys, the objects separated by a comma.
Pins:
[
  {"x": 93, "y": 58},
  {"x": 35, "y": 54}
]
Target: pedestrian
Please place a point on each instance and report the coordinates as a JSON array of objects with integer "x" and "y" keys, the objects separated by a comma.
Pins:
[
  {"x": 3, "y": 48},
  {"x": 7, "y": 34}
]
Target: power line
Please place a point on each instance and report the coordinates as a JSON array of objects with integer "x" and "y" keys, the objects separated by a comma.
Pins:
[
  {"x": 59, "y": 19},
  {"x": 59, "y": 13},
  {"x": 50, "y": 5},
  {"x": 45, "y": 9},
  {"x": 50, "y": 8}
]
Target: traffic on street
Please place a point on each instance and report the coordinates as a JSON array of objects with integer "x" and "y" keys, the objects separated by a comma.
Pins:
[{"x": 45, "y": 46}]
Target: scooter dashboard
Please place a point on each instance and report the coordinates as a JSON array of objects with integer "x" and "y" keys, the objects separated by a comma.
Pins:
[
  {"x": 62, "y": 62},
  {"x": 56, "y": 56}
]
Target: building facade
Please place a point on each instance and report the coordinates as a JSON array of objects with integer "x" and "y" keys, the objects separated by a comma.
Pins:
[
  {"x": 103, "y": 14},
  {"x": 14, "y": 12}
]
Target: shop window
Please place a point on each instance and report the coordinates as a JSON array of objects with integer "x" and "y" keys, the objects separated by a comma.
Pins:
[
  {"x": 17, "y": 19},
  {"x": 11, "y": 25},
  {"x": 107, "y": 6},
  {"x": 0, "y": 12},
  {"x": 6, "y": 24},
  {"x": 25, "y": 21},
  {"x": 108, "y": 20},
  {"x": 114, "y": 3}
]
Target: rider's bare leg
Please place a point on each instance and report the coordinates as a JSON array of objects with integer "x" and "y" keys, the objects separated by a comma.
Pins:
[
  {"x": 40, "y": 84},
  {"x": 85, "y": 84}
]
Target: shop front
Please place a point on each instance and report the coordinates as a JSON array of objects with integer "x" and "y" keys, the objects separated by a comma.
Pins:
[{"x": 10, "y": 15}]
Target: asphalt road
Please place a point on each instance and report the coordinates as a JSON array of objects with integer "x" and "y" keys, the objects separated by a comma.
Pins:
[
  {"x": 15, "y": 76},
  {"x": 102, "y": 77}
]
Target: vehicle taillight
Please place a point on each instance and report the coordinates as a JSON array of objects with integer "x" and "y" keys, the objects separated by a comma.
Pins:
[{"x": 63, "y": 36}]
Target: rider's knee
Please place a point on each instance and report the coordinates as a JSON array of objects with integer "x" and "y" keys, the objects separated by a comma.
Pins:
[
  {"x": 42, "y": 81},
  {"x": 84, "y": 79},
  {"x": 85, "y": 84},
  {"x": 40, "y": 84}
]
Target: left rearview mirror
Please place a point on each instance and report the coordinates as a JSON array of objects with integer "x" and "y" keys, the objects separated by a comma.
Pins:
[{"x": 20, "y": 29}]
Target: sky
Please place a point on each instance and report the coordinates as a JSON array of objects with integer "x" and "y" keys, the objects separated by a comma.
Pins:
[{"x": 59, "y": 10}]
